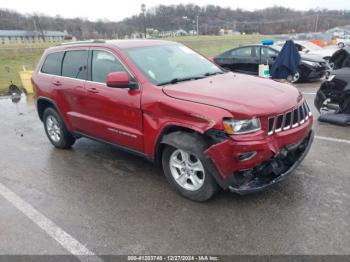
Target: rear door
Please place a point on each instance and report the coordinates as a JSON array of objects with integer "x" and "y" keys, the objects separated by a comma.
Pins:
[
  {"x": 247, "y": 59},
  {"x": 243, "y": 59},
  {"x": 49, "y": 71},
  {"x": 226, "y": 60},
  {"x": 70, "y": 86},
  {"x": 113, "y": 114}
]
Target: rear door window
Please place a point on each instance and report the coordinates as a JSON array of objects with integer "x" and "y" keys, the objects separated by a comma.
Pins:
[
  {"x": 104, "y": 63},
  {"x": 75, "y": 64},
  {"x": 53, "y": 64},
  {"x": 243, "y": 52},
  {"x": 268, "y": 52},
  {"x": 227, "y": 54}
]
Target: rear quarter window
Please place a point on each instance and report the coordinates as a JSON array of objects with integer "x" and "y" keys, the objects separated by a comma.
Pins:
[{"x": 52, "y": 64}]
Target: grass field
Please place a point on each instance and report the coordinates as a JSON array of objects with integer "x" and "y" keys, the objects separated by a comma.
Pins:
[
  {"x": 14, "y": 57},
  {"x": 213, "y": 45}
]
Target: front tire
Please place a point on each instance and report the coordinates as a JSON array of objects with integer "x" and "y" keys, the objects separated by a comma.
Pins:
[
  {"x": 184, "y": 166},
  {"x": 341, "y": 45},
  {"x": 56, "y": 130}
]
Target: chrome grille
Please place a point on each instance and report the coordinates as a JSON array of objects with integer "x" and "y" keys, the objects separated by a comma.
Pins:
[
  {"x": 288, "y": 121},
  {"x": 297, "y": 116},
  {"x": 279, "y": 122}
]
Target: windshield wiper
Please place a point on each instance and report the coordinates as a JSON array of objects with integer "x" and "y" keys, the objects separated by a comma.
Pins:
[
  {"x": 177, "y": 80},
  {"x": 213, "y": 73}
]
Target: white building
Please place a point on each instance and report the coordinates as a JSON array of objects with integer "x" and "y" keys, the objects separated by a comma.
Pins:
[
  {"x": 21, "y": 36},
  {"x": 179, "y": 32},
  {"x": 223, "y": 31},
  {"x": 339, "y": 31}
]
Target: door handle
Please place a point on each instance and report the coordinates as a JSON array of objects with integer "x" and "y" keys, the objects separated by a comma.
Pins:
[
  {"x": 57, "y": 83},
  {"x": 92, "y": 90}
]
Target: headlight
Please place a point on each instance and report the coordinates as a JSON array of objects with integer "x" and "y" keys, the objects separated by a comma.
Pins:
[
  {"x": 310, "y": 63},
  {"x": 241, "y": 126}
]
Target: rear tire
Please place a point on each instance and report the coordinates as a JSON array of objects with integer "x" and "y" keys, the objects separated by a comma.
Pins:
[
  {"x": 56, "y": 130},
  {"x": 296, "y": 77},
  {"x": 184, "y": 166}
]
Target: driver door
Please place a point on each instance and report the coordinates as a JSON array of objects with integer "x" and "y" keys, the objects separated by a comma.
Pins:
[{"x": 114, "y": 114}]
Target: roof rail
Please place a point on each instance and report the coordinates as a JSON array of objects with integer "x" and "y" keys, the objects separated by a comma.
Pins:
[{"x": 83, "y": 42}]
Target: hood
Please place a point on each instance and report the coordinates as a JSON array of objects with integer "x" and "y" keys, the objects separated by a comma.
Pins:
[
  {"x": 242, "y": 95},
  {"x": 325, "y": 52},
  {"x": 312, "y": 58},
  {"x": 342, "y": 73}
]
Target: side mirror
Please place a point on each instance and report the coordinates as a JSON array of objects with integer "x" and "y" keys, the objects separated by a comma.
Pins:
[{"x": 119, "y": 80}]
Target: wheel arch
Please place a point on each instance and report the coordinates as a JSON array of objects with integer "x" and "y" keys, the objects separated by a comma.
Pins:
[
  {"x": 208, "y": 137},
  {"x": 43, "y": 103},
  {"x": 205, "y": 140},
  {"x": 161, "y": 143}
]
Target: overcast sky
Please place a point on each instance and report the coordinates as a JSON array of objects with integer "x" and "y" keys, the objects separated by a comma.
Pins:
[{"x": 115, "y": 10}]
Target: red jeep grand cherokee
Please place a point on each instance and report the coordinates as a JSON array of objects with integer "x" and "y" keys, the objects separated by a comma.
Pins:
[{"x": 208, "y": 128}]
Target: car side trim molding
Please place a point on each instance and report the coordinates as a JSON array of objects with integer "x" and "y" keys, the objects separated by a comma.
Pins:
[{"x": 123, "y": 148}]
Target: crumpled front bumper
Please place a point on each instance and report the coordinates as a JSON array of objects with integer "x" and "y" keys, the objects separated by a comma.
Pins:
[
  {"x": 226, "y": 165},
  {"x": 258, "y": 184}
]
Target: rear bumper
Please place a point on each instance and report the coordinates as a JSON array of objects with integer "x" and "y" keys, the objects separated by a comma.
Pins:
[{"x": 319, "y": 99}]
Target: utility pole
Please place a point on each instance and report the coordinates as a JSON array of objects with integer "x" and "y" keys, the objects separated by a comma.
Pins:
[
  {"x": 316, "y": 23},
  {"x": 143, "y": 10},
  {"x": 186, "y": 23},
  {"x": 234, "y": 25},
  {"x": 197, "y": 24}
]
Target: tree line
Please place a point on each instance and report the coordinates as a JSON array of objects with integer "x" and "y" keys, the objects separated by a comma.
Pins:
[{"x": 273, "y": 20}]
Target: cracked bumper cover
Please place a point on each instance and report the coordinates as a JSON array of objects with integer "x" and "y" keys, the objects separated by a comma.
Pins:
[{"x": 225, "y": 164}]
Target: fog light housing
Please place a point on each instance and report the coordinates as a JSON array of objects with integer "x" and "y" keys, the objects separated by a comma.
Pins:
[{"x": 246, "y": 156}]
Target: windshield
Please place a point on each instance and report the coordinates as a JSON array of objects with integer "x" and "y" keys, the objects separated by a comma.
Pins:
[
  {"x": 169, "y": 64},
  {"x": 305, "y": 44}
]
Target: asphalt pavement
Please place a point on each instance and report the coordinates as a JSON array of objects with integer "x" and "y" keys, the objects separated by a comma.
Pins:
[{"x": 95, "y": 199}]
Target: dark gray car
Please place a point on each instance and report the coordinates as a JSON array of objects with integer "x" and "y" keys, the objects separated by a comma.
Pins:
[{"x": 246, "y": 59}]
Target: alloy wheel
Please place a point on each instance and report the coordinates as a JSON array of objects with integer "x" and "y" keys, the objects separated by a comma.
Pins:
[
  {"x": 296, "y": 77},
  {"x": 187, "y": 170},
  {"x": 53, "y": 129}
]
